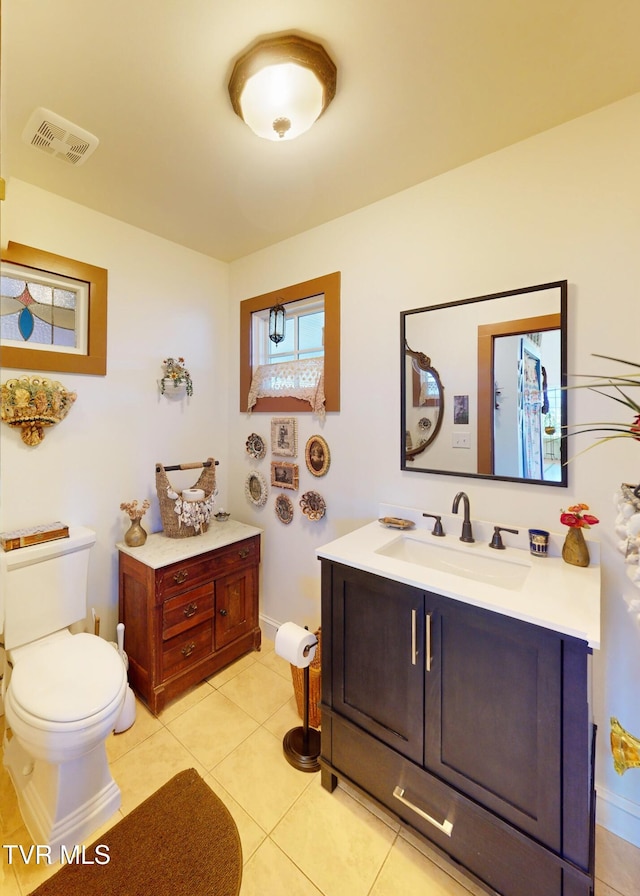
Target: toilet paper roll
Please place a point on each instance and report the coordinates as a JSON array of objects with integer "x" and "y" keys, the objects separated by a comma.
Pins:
[
  {"x": 291, "y": 643},
  {"x": 193, "y": 494}
]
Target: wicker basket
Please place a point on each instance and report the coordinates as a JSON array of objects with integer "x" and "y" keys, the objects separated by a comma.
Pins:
[
  {"x": 315, "y": 686},
  {"x": 171, "y": 524}
]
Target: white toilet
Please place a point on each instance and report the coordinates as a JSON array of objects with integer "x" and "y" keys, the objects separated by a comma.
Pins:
[{"x": 63, "y": 693}]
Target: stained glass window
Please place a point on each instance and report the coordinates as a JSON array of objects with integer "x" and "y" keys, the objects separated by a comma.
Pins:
[{"x": 43, "y": 311}]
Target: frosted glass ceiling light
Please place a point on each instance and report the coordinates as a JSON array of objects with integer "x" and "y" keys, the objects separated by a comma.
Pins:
[{"x": 281, "y": 85}]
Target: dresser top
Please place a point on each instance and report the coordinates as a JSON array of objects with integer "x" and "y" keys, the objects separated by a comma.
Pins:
[{"x": 159, "y": 550}]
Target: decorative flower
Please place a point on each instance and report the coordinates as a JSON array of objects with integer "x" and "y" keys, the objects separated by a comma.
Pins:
[
  {"x": 575, "y": 518},
  {"x": 175, "y": 371},
  {"x": 135, "y": 512}
]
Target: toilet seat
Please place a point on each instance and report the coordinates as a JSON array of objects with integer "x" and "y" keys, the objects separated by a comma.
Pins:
[{"x": 67, "y": 679}]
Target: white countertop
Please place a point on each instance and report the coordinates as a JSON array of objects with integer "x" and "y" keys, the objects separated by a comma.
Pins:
[
  {"x": 554, "y": 595},
  {"x": 159, "y": 550}
]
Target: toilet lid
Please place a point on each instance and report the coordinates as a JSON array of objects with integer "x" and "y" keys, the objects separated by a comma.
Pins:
[{"x": 68, "y": 679}]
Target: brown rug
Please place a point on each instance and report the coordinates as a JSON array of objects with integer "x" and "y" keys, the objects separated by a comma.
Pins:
[{"x": 181, "y": 841}]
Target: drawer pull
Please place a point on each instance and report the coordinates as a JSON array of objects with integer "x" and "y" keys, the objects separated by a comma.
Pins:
[
  {"x": 190, "y": 610},
  {"x": 244, "y": 553},
  {"x": 188, "y": 649},
  {"x": 223, "y": 612},
  {"x": 181, "y": 576},
  {"x": 414, "y": 648},
  {"x": 446, "y": 826}
]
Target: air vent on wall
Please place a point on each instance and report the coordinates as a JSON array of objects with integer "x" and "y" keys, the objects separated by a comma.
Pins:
[{"x": 58, "y": 137}]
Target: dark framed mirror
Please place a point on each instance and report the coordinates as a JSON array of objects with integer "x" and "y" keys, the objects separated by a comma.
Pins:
[{"x": 502, "y": 361}]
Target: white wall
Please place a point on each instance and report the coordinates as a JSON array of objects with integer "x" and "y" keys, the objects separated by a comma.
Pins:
[
  {"x": 563, "y": 205},
  {"x": 162, "y": 300}
]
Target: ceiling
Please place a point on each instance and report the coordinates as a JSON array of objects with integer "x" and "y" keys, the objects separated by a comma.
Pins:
[{"x": 423, "y": 87}]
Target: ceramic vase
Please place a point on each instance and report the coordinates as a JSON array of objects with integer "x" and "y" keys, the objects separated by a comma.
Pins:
[
  {"x": 575, "y": 550},
  {"x": 135, "y": 536}
]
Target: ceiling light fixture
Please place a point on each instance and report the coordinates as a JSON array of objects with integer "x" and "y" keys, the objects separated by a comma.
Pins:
[{"x": 282, "y": 85}]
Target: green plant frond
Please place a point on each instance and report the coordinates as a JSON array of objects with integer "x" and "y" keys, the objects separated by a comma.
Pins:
[
  {"x": 625, "y": 400},
  {"x": 617, "y": 360}
]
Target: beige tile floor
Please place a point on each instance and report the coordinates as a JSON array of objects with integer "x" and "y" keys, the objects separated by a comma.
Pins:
[{"x": 296, "y": 837}]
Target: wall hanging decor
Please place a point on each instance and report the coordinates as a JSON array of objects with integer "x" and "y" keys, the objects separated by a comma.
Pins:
[
  {"x": 256, "y": 488},
  {"x": 284, "y": 475},
  {"x": 135, "y": 536},
  {"x": 256, "y": 446},
  {"x": 625, "y": 748},
  {"x": 176, "y": 380},
  {"x": 317, "y": 456},
  {"x": 284, "y": 509},
  {"x": 33, "y": 403},
  {"x": 313, "y": 505},
  {"x": 284, "y": 436},
  {"x": 54, "y": 312},
  {"x": 627, "y": 528},
  {"x": 188, "y": 512}
]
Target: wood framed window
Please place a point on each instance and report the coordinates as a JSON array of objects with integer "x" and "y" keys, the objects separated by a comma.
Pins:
[
  {"x": 326, "y": 290},
  {"x": 54, "y": 312}
]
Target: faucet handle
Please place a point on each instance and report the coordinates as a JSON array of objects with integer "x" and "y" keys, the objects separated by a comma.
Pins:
[
  {"x": 496, "y": 542},
  {"x": 437, "y": 526}
]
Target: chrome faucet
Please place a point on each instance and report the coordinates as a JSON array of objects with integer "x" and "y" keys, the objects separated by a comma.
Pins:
[{"x": 467, "y": 534}]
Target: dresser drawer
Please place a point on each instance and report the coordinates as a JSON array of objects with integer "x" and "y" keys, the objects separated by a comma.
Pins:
[
  {"x": 235, "y": 556},
  {"x": 186, "y": 649},
  {"x": 179, "y": 577},
  {"x": 187, "y": 610},
  {"x": 506, "y": 860}
]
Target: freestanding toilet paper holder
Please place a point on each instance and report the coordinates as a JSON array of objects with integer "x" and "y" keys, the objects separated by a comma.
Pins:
[{"x": 301, "y": 745}]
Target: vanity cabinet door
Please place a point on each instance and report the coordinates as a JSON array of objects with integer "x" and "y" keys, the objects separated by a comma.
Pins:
[
  {"x": 378, "y": 659},
  {"x": 493, "y": 722}
]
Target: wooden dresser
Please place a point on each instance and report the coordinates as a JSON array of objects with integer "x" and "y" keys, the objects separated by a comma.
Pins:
[{"x": 189, "y": 606}]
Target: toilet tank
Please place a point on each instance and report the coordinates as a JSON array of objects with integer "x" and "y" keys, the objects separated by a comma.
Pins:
[{"x": 44, "y": 587}]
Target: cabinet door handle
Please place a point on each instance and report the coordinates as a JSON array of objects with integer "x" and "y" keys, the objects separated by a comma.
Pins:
[
  {"x": 223, "y": 612},
  {"x": 181, "y": 576},
  {"x": 190, "y": 610},
  {"x": 244, "y": 553},
  {"x": 414, "y": 637},
  {"x": 445, "y": 826},
  {"x": 188, "y": 649},
  {"x": 427, "y": 637}
]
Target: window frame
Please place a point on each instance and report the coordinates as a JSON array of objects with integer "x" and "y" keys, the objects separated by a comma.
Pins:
[
  {"x": 329, "y": 284},
  {"x": 95, "y": 359}
]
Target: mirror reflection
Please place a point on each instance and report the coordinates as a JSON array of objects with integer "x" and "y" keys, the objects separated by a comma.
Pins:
[
  {"x": 424, "y": 397},
  {"x": 502, "y": 361}
]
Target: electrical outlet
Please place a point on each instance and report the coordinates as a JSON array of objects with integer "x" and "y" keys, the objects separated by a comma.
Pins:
[{"x": 461, "y": 440}]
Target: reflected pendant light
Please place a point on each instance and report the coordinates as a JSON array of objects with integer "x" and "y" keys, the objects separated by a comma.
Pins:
[
  {"x": 276, "y": 323},
  {"x": 280, "y": 86}
]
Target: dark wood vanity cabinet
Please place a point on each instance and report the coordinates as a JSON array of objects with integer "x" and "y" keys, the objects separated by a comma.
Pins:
[
  {"x": 470, "y": 726},
  {"x": 184, "y": 620}
]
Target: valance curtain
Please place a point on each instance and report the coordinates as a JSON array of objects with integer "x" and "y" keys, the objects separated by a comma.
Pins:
[{"x": 294, "y": 379}]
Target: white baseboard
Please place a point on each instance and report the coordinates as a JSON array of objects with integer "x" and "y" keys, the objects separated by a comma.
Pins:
[
  {"x": 618, "y": 815},
  {"x": 269, "y": 627}
]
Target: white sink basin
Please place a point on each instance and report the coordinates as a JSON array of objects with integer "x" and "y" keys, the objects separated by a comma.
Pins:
[{"x": 460, "y": 560}]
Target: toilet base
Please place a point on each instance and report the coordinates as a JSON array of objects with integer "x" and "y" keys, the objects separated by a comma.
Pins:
[{"x": 62, "y": 804}]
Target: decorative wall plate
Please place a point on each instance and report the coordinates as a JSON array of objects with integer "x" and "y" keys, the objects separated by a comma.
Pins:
[
  {"x": 284, "y": 509},
  {"x": 313, "y": 505},
  {"x": 256, "y": 446},
  {"x": 256, "y": 488},
  {"x": 317, "y": 456}
]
